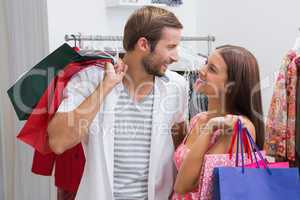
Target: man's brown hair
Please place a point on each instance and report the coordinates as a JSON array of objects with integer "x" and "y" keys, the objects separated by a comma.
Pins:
[{"x": 148, "y": 22}]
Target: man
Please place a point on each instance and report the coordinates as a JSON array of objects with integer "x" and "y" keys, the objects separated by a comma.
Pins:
[{"x": 123, "y": 115}]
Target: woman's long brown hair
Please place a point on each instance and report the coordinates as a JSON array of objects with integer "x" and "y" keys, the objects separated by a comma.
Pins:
[{"x": 243, "y": 96}]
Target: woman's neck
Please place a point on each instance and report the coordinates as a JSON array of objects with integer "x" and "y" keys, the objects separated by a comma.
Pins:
[{"x": 215, "y": 108}]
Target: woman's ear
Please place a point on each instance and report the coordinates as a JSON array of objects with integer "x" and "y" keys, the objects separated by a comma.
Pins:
[{"x": 229, "y": 87}]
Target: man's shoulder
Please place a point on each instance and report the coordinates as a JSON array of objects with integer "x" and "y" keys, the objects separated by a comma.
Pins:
[
  {"x": 92, "y": 70},
  {"x": 90, "y": 73}
]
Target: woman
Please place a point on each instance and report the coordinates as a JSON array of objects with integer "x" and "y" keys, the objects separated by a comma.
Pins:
[{"x": 230, "y": 79}]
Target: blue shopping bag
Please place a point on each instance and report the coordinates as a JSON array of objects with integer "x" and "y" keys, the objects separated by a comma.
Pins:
[
  {"x": 230, "y": 183},
  {"x": 240, "y": 183}
]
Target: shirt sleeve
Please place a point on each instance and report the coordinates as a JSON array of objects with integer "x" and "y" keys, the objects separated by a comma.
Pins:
[{"x": 81, "y": 85}]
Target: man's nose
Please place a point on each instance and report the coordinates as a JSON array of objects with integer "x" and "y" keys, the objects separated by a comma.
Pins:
[{"x": 174, "y": 56}]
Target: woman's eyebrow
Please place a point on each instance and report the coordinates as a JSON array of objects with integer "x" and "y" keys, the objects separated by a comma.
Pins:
[{"x": 214, "y": 67}]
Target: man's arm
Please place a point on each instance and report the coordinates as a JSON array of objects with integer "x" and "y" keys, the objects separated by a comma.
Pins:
[{"x": 67, "y": 129}]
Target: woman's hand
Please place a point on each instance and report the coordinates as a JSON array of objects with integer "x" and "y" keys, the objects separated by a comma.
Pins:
[{"x": 225, "y": 124}]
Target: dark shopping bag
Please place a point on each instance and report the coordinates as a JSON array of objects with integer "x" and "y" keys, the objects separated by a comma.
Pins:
[
  {"x": 27, "y": 90},
  {"x": 240, "y": 183}
]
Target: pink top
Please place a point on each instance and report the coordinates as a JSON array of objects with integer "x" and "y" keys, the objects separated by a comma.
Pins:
[{"x": 181, "y": 153}]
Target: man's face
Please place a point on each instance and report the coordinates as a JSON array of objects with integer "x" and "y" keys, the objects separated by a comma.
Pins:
[{"x": 165, "y": 52}]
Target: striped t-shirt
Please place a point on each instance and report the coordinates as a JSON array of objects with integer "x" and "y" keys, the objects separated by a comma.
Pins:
[{"x": 133, "y": 124}]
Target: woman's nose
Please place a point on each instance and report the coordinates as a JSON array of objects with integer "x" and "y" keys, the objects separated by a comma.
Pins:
[{"x": 202, "y": 73}]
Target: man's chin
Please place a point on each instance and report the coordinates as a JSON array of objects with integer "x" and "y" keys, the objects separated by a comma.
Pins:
[
  {"x": 156, "y": 72},
  {"x": 161, "y": 73},
  {"x": 163, "y": 70}
]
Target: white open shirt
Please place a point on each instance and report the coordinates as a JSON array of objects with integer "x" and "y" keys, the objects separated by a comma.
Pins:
[{"x": 170, "y": 107}]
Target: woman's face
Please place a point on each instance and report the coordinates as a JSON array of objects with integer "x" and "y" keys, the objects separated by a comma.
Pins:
[{"x": 212, "y": 77}]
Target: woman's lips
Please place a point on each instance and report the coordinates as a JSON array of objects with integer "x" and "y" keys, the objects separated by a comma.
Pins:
[{"x": 199, "y": 82}]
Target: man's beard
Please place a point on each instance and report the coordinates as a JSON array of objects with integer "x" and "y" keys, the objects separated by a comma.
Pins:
[{"x": 151, "y": 65}]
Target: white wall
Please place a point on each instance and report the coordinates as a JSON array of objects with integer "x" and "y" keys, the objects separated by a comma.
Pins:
[
  {"x": 24, "y": 41},
  {"x": 267, "y": 28},
  {"x": 92, "y": 17}
]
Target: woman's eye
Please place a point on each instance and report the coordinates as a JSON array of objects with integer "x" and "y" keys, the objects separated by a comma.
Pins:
[{"x": 210, "y": 68}]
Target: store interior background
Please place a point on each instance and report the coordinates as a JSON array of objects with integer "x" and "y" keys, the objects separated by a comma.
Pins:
[{"x": 30, "y": 29}]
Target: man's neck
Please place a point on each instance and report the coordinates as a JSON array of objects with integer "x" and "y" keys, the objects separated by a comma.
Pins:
[
  {"x": 136, "y": 74},
  {"x": 138, "y": 82}
]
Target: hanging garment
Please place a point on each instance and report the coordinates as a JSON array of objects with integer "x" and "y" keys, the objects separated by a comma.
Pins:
[
  {"x": 168, "y": 2},
  {"x": 197, "y": 102},
  {"x": 298, "y": 113},
  {"x": 45, "y": 78},
  {"x": 280, "y": 124},
  {"x": 34, "y": 130},
  {"x": 27, "y": 91},
  {"x": 65, "y": 195},
  {"x": 69, "y": 165}
]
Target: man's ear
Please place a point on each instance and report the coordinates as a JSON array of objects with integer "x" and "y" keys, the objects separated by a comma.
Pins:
[{"x": 142, "y": 44}]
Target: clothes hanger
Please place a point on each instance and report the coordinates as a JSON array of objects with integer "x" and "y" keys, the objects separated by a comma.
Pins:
[
  {"x": 95, "y": 48},
  {"x": 117, "y": 56},
  {"x": 75, "y": 43}
]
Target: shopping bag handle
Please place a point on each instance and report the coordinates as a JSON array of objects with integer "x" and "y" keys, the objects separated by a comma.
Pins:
[
  {"x": 237, "y": 129},
  {"x": 237, "y": 144},
  {"x": 243, "y": 137},
  {"x": 242, "y": 145},
  {"x": 255, "y": 147}
]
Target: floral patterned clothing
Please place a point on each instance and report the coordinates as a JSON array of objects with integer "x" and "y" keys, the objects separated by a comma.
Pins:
[{"x": 280, "y": 124}]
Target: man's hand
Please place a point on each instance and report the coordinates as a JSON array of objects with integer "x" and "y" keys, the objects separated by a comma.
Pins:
[{"x": 114, "y": 74}]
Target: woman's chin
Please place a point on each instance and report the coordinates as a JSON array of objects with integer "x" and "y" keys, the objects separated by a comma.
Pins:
[{"x": 199, "y": 89}]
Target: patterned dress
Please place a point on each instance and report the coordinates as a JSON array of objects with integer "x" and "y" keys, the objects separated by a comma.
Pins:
[{"x": 280, "y": 124}]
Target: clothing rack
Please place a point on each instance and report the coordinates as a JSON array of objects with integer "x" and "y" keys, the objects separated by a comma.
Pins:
[
  {"x": 120, "y": 38},
  {"x": 78, "y": 37}
]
